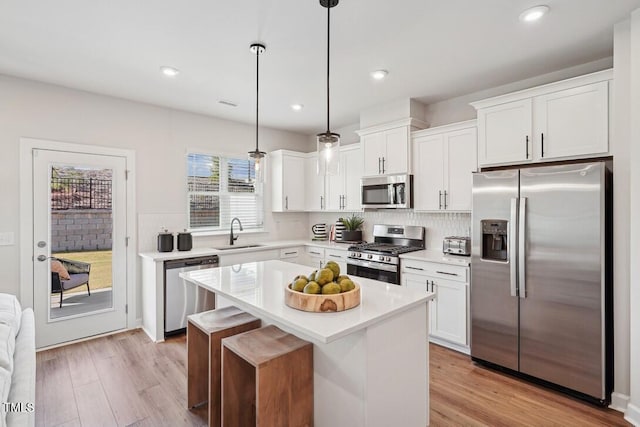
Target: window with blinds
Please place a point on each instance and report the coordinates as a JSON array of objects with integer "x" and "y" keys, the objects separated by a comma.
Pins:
[{"x": 221, "y": 188}]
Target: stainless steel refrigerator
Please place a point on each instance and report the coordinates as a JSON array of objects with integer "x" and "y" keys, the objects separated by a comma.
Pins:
[{"x": 541, "y": 275}]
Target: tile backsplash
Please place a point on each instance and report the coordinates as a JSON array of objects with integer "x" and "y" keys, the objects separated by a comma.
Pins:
[{"x": 438, "y": 225}]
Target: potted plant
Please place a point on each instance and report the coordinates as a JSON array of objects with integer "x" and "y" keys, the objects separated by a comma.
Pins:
[{"x": 352, "y": 228}]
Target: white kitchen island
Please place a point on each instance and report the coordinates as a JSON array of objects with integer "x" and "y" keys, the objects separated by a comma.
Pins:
[{"x": 371, "y": 363}]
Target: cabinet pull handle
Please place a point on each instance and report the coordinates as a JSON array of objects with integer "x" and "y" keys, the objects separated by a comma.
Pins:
[
  {"x": 344, "y": 201},
  {"x": 315, "y": 253},
  {"x": 445, "y": 199},
  {"x": 321, "y": 202},
  {"x": 335, "y": 256},
  {"x": 290, "y": 253},
  {"x": 447, "y": 273},
  {"x": 414, "y": 268},
  {"x": 542, "y": 142},
  {"x": 527, "y": 147},
  {"x": 383, "y": 165},
  {"x": 286, "y": 202},
  {"x": 379, "y": 168},
  {"x": 439, "y": 199}
]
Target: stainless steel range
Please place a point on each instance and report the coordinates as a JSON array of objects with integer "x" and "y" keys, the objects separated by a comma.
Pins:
[{"x": 380, "y": 260}]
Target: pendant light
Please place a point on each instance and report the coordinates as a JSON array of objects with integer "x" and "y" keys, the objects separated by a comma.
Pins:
[
  {"x": 257, "y": 155},
  {"x": 328, "y": 142}
]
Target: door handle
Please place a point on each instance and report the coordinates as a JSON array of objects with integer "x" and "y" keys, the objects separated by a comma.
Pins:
[
  {"x": 41, "y": 258},
  {"x": 522, "y": 240},
  {"x": 447, "y": 273},
  {"x": 511, "y": 249}
]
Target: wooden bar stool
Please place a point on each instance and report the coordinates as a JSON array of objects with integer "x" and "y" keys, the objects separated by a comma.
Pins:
[
  {"x": 267, "y": 379},
  {"x": 205, "y": 332}
]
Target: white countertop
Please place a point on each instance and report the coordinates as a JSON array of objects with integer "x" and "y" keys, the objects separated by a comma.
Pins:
[
  {"x": 196, "y": 252},
  {"x": 258, "y": 288},
  {"x": 438, "y": 256}
]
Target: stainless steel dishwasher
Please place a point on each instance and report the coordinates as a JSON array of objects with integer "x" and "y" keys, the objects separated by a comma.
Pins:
[{"x": 182, "y": 298}]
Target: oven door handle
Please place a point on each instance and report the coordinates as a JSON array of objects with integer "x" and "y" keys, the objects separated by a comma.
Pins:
[{"x": 373, "y": 265}]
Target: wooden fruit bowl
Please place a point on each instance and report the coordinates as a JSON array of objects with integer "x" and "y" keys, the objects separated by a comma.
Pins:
[{"x": 320, "y": 303}]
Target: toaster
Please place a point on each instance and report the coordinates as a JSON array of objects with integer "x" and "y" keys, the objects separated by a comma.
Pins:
[{"x": 457, "y": 245}]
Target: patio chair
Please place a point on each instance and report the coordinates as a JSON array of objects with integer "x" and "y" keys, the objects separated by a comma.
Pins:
[{"x": 78, "y": 273}]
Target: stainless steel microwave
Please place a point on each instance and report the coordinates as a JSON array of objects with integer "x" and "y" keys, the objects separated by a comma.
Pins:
[{"x": 387, "y": 192}]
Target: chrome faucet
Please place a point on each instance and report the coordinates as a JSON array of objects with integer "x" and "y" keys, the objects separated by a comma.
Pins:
[{"x": 231, "y": 238}]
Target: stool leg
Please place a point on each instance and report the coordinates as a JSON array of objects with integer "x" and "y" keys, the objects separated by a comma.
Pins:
[
  {"x": 238, "y": 391},
  {"x": 197, "y": 366},
  {"x": 285, "y": 390}
]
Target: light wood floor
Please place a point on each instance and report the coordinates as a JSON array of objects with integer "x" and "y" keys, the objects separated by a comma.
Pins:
[{"x": 126, "y": 380}]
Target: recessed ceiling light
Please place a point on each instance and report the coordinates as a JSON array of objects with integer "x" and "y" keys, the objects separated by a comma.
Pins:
[
  {"x": 297, "y": 107},
  {"x": 534, "y": 13},
  {"x": 228, "y": 103},
  {"x": 169, "y": 71},
  {"x": 379, "y": 74}
]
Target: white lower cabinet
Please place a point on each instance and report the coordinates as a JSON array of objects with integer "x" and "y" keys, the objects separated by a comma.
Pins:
[
  {"x": 317, "y": 257},
  {"x": 294, "y": 255},
  {"x": 246, "y": 257},
  {"x": 448, "y": 311}
]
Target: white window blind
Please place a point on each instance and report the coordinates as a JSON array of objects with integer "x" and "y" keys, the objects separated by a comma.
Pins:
[{"x": 221, "y": 188}]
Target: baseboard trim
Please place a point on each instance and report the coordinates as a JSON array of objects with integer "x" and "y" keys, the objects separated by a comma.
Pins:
[
  {"x": 632, "y": 414},
  {"x": 150, "y": 335},
  {"x": 619, "y": 402},
  {"x": 106, "y": 334}
]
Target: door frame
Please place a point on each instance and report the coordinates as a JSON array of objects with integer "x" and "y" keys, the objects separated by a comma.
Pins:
[{"x": 27, "y": 145}]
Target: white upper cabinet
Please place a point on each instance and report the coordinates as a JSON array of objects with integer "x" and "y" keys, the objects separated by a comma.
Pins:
[
  {"x": 386, "y": 148},
  {"x": 504, "y": 133},
  {"x": 288, "y": 181},
  {"x": 373, "y": 149},
  {"x": 444, "y": 159},
  {"x": 563, "y": 120},
  {"x": 315, "y": 198},
  {"x": 572, "y": 122},
  {"x": 343, "y": 190},
  {"x": 352, "y": 160}
]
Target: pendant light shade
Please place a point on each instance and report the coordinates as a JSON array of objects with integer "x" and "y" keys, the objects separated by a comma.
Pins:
[
  {"x": 328, "y": 142},
  {"x": 257, "y": 155}
]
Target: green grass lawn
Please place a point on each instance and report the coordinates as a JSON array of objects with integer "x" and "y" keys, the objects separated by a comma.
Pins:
[{"x": 100, "y": 275}]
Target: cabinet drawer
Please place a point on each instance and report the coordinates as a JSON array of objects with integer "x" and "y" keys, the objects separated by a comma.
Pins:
[
  {"x": 289, "y": 253},
  {"x": 436, "y": 270},
  {"x": 315, "y": 252},
  {"x": 335, "y": 255}
]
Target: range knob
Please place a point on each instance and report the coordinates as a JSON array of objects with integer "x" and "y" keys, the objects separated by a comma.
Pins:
[
  {"x": 381, "y": 258},
  {"x": 369, "y": 256},
  {"x": 359, "y": 255},
  {"x": 388, "y": 259}
]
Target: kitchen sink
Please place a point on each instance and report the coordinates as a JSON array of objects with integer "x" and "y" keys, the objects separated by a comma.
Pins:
[{"x": 226, "y": 248}]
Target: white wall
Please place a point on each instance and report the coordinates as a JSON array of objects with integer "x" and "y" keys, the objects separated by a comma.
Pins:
[
  {"x": 633, "y": 410},
  {"x": 620, "y": 151},
  {"x": 458, "y": 109},
  {"x": 159, "y": 136}
]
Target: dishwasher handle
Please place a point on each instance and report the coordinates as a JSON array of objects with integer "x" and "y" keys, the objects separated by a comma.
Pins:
[{"x": 211, "y": 261}]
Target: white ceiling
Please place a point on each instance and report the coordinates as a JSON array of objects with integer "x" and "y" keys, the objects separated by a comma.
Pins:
[{"x": 433, "y": 49}]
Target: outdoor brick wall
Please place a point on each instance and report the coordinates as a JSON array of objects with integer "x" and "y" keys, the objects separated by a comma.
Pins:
[{"x": 80, "y": 230}]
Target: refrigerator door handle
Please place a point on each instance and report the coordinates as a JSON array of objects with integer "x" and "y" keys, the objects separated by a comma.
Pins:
[
  {"x": 513, "y": 232},
  {"x": 522, "y": 240}
]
